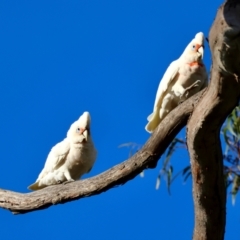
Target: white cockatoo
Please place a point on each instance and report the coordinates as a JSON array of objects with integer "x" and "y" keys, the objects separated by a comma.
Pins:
[
  {"x": 69, "y": 159},
  {"x": 183, "y": 78}
]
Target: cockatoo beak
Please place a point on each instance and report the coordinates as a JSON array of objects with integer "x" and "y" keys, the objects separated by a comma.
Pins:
[
  {"x": 85, "y": 134},
  {"x": 200, "y": 50}
]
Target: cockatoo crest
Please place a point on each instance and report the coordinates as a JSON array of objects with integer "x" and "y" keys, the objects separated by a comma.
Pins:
[
  {"x": 184, "y": 77},
  {"x": 69, "y": 159},
  {"x": 80, "y": 128},
  {"x": 195, "y": 47}
]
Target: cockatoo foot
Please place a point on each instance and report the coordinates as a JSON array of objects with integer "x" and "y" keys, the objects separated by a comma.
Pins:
[
  {"x": 186, "y": 91},
  {"x": 180, "y": 102},
  {"x": 68, "y": 181}
]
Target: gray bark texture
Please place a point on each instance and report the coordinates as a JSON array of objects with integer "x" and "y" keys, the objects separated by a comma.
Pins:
[
  {"x": 205, "y": 113},
  {"x": 203, "y": 128},
  {"x": 118, "y": 175}
]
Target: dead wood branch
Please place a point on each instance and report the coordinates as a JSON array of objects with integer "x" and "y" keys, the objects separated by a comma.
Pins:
[{"x": 118, "y": 175}]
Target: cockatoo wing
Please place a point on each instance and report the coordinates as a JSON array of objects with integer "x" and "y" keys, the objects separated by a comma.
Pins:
[
  {"x": 56, "y": 157},
  {"x": 164, "y": 84},
  {"x": 168, "y": 77},
  {"x": 71, "y": 158}
]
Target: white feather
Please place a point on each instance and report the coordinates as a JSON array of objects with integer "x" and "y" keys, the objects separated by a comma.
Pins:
[
  {"x": 69, "y": 159},
  {"x": 183, "y": 78}
]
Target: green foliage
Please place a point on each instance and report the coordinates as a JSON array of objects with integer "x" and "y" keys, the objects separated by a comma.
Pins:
[
  {"x": 231, "y": 134},
  {"x": 231, "y": 142},
  {"x": 231, "y": 157},
  {"x": 166, "y": 170},
  {"x": 133, "y": 147}
]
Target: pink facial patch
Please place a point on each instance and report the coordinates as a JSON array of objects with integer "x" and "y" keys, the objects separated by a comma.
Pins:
[{"x": 195, "y": 64}]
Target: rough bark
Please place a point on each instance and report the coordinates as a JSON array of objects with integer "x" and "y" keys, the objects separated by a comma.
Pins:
[
  {"x": 203, "y": 139},
  {"x": 203, "y": 128},
  {"x": 119, "y": 174}
]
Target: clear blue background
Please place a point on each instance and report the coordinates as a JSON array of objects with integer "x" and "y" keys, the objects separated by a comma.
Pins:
[{"x": 60, "y": 58}]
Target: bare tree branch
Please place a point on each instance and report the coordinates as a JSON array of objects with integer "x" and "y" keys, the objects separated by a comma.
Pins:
[
  {"x": 203, "y": 129},
  {"x": 119, "y": 174},
  {"x": 215, "y": 104}
]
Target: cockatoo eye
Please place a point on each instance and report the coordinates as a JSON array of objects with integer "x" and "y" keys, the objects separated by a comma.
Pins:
[
  {"x": 78, "y": 130},
  {"x": 193, "y": 46}
]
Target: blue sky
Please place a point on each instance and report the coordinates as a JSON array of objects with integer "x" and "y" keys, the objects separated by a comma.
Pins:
[{"x": 61, "y": 58}]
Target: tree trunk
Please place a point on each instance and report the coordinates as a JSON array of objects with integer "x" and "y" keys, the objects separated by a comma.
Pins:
[
  {"x": 209, "y": 191},
  {"x": 203, "y": 130}
]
